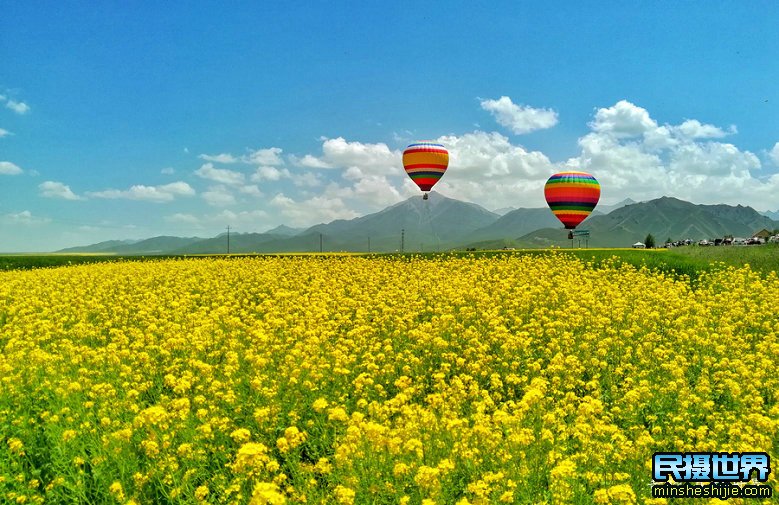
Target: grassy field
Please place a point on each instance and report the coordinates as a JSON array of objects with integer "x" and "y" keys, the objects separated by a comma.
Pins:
[
  {"x": 690, "y": 260},
  {"x": 43, "y": 260}
]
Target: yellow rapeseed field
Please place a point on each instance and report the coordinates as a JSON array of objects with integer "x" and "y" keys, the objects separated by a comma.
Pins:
[{"x": 508, "y": 379}]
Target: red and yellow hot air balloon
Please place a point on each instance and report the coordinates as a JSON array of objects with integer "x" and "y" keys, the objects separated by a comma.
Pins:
[
  {"x": 572, "y": 196},
  {"x": 425, "y": 163}
]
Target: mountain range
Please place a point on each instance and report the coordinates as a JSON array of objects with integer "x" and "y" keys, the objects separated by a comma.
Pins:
[{"x": 442, "y": 223}]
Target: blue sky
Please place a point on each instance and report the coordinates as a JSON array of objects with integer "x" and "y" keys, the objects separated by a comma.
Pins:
[{"x": 174, "y": 118}]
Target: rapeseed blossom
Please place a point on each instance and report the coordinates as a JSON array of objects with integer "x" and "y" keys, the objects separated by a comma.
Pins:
[{"x": 508, "y": 379}]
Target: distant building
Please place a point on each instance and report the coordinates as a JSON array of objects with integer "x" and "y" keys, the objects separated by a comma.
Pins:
[
  {"x": 639, "y": 245},
  {"x": 764, "y": 234}
]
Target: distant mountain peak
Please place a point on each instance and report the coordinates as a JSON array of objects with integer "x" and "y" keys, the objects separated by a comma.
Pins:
[{"x": 283, "y": 229}]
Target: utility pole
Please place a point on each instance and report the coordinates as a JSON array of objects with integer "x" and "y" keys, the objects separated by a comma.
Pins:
[
  {"x": 369, "y": 245},
  {"x": 320, "y": 242},
  {"x": 402, "y": 239},
  {"x": 228, "y": 239}
]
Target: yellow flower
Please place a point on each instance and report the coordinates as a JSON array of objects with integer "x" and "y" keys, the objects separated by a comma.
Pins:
[
  {"x": 16, "y": 446},
  {"x": 116, "y": 489},
  {"x": 319, "y": 405},
  {"x": 338, "y": 414},
  {"x": 267, "y": 493},
  {"x": 201, "y": 492},
  {"x": 240, "y": 435},
  {"x": 250, "y": 456},
  {"x": 344, "y": 495}
]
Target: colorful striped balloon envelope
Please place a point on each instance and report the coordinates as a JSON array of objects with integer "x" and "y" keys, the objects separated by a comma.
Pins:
[
  {"x": 425, "y": 163},
  {"x": 572, "y": 196}
]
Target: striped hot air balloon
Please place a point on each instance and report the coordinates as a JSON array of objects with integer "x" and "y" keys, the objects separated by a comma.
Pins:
[
  {"x": 425, "y": 163},
  {"x": 572, "y": 196}
]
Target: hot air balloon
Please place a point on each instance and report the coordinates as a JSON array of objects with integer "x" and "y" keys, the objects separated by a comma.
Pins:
[
  {"x": 425, "y": 163},
  {"x": 572, "y": 196}
]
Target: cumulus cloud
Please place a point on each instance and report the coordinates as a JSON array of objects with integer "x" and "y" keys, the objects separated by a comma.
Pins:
[
  {"x": 631, "y": 155},
  {"x": 694, "y": 129},
  {"x": 713, "y": 159},
  {"x": 249, "y": 220},
  {"x": 4, "y": 133},
  {"x": 269, "y": 173},
  {"x": 245, "y": 218},
  {"x": 366, "y": 167},
  {"x": 8, "y": 168},
  {"x": 251, "y": 190},
  {"x": 519, "y": 119},
  {"x": 168, "y": 171},
  {"x": 183, "y": 218},
  {"x": 219, "y": 158},
  {"x": 774, "y": 154},
  {"x": 310, "y": 161},
  {"x": 25, "y": 217},
  {"x": 157, "y": 194},
  {"x": 488, "y": 169},
  {"x": 305, "y": 212},
  {"x": 269, "y": 156},
  {"x": 307, "y": 179},
  {"x": 18, "y": 107},
  {"x": 53, "y": 189},
  {"x": 370, "y": 159},
  {"x": 220, "y": 175},
  {"x": 623, "y": 120},
  {"x": 218, "y": 196}
]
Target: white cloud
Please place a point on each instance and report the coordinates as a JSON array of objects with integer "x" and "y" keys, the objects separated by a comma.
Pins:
[
  {"x": 269, "y": 156},
  {"x": 713, "y": 159},
  {"x": 373, "y": 159},
  {"x": 18, "y": 107},
  {"x": 251, "y": 190},
  {"x": 623, "y": 120},
  {"x": 307, "y": 179},
  {"x": 310, "y": 161},
  {"x": 774, "y": 154},
  {"x": 247, "y": 220},
  {"x": 219, "y": 158},
  {"x": 8, "y": 168},
  {"x": 218, "y": 196},
  {"x": 492, "y": 156},
  {"x": 632, "y": 156},
  {"x": 694, "y": 129},
  {"x": 269, "y": 173},
  {"x": 519, "y": 118},
  {"x": 318, "y": 209},
  {"x": 486, "y": 168},
  {"x": 183, "y": 218},
  {"x": 168, "y": 171},
  {"x": 366, "y": 167},
  {"x": 4, "y": 133},
  {"x": 220, "y": 175},
  {"x": 25, "y": 217},
  {"x": 157, "y": 194},
  {"x": 52, "y": 189}
]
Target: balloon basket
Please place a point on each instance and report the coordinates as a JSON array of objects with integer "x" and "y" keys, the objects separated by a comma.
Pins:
[{"x": 424, "y": 197}]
